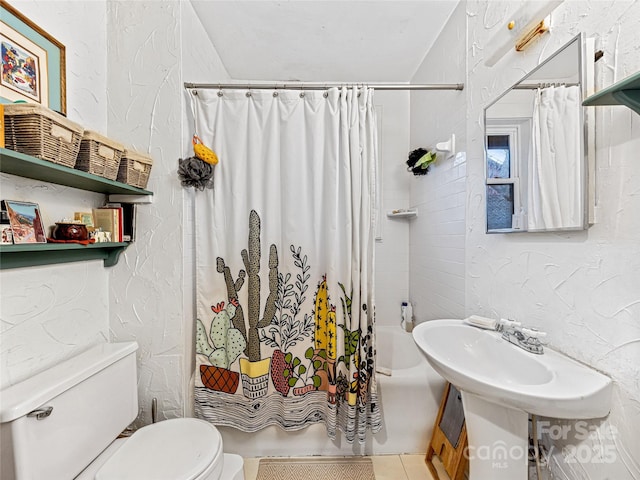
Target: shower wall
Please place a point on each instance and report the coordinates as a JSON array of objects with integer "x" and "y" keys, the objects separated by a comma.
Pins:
[{"x": 437, "y": 234}]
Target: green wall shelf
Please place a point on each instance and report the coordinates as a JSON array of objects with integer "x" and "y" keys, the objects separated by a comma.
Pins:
[
  {"x": 625, "y": 92},
  {"x": 27, "y": 166},
  {"x": 32, "y": 254}
]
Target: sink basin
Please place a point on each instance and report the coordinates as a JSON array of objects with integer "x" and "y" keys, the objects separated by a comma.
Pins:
[
  {"x": 501, "y": 384},
  {"x": 481, "y": 362}
]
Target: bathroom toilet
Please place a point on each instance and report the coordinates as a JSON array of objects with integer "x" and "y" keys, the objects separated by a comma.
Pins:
[{"x": 63, "y": 424}]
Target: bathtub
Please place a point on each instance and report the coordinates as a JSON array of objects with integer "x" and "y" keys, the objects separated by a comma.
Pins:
[{"x": 409, "y": 399}]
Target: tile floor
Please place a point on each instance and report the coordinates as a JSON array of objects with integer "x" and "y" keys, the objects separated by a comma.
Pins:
[{"x": 386, "y": 467}]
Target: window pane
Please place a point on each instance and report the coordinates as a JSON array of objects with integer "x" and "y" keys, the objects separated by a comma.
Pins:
[
  {"x": 498, "y": 156},
  {"x": 499, "y": 206}
]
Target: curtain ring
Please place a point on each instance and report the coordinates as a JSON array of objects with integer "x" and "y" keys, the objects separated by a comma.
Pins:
[
  {"x": 194, "y": 92},
  {"x": 301, "y": 94},
  {"x": 325, "y": 94},
  {"x": 248, "y": 94},
  {"x": 275, "y": 94}
]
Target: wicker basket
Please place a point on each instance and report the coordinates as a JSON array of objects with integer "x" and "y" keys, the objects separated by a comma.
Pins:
[
  {"x": 99, "y": 155},
  {"x": 135, "y": 168},
  {"x": 37, "y": 131}
]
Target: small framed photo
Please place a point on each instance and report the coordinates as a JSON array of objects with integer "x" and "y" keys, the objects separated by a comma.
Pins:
[
  {"x": 84, "y": 217},
  {"x": 26, "y": 222},
  {"x": 6, "y": 235}
]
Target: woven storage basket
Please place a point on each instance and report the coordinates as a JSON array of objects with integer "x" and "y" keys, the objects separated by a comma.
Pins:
[
  {"x": 99, "y": 155},
  {"x": 135, "y": 168},
  {"x": 37, "y": 131}
]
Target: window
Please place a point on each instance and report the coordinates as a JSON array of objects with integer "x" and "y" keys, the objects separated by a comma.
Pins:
[{"x": 506, "y": 139}]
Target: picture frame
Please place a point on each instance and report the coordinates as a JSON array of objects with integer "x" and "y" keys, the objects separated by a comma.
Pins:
[
  {"x": 6, "y": 235},
  {"x": 85, "y": 218},
  {"x": 33, "y": 62},
  {"x": 26, "y": 222}
]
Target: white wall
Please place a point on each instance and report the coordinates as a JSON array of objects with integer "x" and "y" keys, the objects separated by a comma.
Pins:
[
  {"x": 153, "y": 48},
  {"x": 51, "y": 313},
  {"x": 392, "y": 249},
  {"x": 437, "y": 245},
  {"x": 583, "y": 287}
]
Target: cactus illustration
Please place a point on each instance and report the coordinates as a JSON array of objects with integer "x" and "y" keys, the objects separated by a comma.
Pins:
[
  {"x": 325, "y": 318},
  {"x": 233, "y": 287},
  {"x": 251, "y": 259},
  {"x": 227, "y": 343},
  {"x": 351, "y": 337}
]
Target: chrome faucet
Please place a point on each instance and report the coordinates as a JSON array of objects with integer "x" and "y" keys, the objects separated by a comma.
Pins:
[{"x": 525, "y": 338}]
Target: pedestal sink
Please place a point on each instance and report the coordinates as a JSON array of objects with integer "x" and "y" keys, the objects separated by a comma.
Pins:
[{"x": 501, "y": 384}]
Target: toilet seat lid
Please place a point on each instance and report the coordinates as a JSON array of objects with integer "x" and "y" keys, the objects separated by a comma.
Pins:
[{"x": 178, "y": 449}]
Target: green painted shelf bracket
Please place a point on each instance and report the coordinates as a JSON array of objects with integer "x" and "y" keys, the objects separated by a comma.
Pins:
[
  {"x": 625, "y": 92},
  {"x": 32, "y": 254}
]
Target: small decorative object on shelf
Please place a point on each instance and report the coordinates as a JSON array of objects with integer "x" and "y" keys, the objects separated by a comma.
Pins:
[
  {"x": 70, "y": 231},
  {"x": 26, "y": 222},
  {"x": 6, "y": 235},
  {"x": 85, "y": 218}
]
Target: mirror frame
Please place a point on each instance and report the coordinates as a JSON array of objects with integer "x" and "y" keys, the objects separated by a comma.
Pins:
[{"x": 586, "y": 76}]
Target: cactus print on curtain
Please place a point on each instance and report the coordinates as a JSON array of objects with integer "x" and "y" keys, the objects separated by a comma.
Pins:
[{"x": 284, "y": 261}]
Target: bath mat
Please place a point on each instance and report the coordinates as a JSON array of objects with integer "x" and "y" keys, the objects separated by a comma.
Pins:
[{"x": 356, "y": 468}]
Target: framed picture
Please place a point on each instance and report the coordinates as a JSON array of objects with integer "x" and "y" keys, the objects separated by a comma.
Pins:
[
  {"x": 26, "y": 222},
  {"x": 6, "y": 235},
  {"x": 84, "y": 217},
  {"x": 33, "y": 62}
]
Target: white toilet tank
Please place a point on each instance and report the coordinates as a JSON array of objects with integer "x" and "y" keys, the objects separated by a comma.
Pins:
[{"x": 55, "y": 423}]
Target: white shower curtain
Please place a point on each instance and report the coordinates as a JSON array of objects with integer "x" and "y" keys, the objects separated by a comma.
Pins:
[
  {"x": 555, "y": 191},
  {"x": 284, "y": 260}
]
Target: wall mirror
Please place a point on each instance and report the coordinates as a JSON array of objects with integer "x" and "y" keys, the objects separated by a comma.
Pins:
[{"x": 536, "y": 147}]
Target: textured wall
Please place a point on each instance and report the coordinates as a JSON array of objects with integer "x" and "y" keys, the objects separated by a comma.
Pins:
[
  {"x": 81, "y": 27},
  {"x": 583, "y": 287},
  {"x": 437, "y": 245},
  {"x": 51, "y": 313},
  {"x": 149, "y": 45}
]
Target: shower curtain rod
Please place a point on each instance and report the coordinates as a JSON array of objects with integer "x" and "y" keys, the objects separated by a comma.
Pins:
[{"x": 325, "y": 85}]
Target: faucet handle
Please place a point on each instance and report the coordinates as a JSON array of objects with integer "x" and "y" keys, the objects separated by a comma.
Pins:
[
  {"x": 508, "y": 323},
  {"x": 533, "y": 333}
]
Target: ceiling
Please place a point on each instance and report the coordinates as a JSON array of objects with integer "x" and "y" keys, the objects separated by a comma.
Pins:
[{"x": 351, "y": 41}]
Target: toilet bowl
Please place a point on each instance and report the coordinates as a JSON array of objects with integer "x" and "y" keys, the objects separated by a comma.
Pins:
[
  {"x": 62, "y": 424},
  {"x": 177, "y": 449}
]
